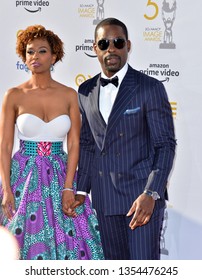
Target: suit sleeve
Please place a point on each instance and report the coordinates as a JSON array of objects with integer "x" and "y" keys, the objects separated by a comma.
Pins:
[
  {"x": 160, "y": 122},
  {"x": 86, "y": 156}
]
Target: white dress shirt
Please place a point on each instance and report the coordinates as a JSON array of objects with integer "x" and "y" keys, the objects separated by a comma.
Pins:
[{"x": 109, "y": 92}]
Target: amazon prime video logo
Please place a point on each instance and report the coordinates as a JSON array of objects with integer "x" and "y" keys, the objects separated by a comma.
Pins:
[
  {"x": 86, "y": 47},
  {"x": 168, "y": 16},
  {"x": 33, "y": 6}
]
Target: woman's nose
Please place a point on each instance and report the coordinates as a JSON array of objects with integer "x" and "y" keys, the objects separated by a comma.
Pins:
[{"x": 35, "y": 54}]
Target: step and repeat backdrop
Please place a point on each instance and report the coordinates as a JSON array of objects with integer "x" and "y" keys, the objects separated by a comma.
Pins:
[{"x": 166, "y": 44}]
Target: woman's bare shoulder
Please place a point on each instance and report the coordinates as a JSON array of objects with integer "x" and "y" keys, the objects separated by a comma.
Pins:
[
  {"x": 15, "y": 90},
  {"x": 67, "y": 90},
  {"x": 13, "y": 94}
]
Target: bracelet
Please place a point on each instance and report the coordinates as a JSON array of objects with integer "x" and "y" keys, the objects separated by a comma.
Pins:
[{"x": 68, "y": 189}]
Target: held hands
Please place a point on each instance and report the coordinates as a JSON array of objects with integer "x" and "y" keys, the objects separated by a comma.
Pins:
[
  {"x": 8, "y": 204},
  {"x": 70, "y": 202},
  {"x": 68, "y": 198},
  {"x": 142, "y": 210},
  {"x": 79, "y": 200}
]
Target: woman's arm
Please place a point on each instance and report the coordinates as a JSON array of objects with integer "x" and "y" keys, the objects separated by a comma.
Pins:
[
  {"x": 7, "y": 126},
  {"x": 73, "y": 136}
]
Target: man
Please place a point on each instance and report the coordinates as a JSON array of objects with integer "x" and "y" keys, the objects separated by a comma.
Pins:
[{"x": 127, "y": 148}]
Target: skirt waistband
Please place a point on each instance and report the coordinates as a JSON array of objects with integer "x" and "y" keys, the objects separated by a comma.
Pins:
[{"x": 33, "y": 148}]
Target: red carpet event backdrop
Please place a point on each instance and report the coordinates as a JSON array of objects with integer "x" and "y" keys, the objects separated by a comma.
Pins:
[{"x": 166, "y": 44}]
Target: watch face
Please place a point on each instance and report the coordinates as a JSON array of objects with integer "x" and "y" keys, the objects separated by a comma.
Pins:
[{"x": 155, "y": 195}]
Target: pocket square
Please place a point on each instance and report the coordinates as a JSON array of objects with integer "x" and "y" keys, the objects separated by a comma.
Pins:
[{"x": 132, "y": 111}]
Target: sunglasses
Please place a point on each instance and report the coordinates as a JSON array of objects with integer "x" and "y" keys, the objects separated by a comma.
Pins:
[{"x": 119, "y": 43}]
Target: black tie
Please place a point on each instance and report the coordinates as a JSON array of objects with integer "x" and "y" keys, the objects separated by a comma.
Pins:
[{"x": 114, "y": 81}]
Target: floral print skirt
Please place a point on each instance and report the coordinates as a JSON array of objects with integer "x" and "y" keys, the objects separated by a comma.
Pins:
[{"x": 43, "y": 232}]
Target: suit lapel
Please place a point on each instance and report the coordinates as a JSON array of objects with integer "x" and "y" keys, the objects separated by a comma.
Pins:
[{"x": 95, "y": 119}]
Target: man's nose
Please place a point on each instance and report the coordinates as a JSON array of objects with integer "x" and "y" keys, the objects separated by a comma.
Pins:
[{"x": 111, "y": 46}]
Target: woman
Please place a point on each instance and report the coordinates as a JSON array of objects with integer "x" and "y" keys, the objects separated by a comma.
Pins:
[{"x": 38, "y": 183}]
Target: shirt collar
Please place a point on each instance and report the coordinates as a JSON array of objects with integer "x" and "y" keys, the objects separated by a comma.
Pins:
[{"x": 121, "y": 73}]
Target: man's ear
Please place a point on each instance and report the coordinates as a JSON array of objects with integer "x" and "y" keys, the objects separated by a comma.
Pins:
[
  {"x": 95, "y": 47},
  {"x": 129, "y": 45}
]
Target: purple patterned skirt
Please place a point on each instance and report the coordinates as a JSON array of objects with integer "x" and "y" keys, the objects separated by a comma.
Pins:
[{"x": 38, "y": 172}]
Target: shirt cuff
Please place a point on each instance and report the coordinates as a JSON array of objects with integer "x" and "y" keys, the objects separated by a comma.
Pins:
[{"x": 80, "y": 192}]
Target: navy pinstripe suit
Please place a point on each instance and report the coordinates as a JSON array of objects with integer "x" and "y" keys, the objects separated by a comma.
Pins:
[{"x": 116, "y": 159}]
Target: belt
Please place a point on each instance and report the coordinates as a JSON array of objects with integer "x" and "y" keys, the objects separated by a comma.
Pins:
[{"x": 33, "y": 148}]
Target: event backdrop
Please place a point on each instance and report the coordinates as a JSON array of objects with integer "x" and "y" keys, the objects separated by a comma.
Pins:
[{"x": 166, "y": 44}]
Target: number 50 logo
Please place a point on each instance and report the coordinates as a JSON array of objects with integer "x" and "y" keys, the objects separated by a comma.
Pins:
[{"x": 155, "y": 10}]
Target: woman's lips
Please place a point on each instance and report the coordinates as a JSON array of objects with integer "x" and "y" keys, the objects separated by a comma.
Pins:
[{"x": 36, "y": 64}]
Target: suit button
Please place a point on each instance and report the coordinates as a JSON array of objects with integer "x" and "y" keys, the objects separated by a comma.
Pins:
[
  {"x": 100, "y": 173},
  {"x": 103, "y": 153},
  {"x": 118, "y": 154},
  {"x": 121, "y": 134},
  {"x": 119, "y": 175}
]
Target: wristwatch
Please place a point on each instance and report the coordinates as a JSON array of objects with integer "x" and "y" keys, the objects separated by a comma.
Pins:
[{"x": 154, "y": 195}]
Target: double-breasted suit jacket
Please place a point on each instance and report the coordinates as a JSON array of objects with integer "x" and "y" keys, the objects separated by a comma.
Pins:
[{"x": 117, "y": 158}]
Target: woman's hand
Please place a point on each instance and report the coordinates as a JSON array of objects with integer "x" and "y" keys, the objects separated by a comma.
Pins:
[
  {"x": 68, "y": 198},
  {"x": 69, "y": 205},
  {"x": 8, "y": 204}
]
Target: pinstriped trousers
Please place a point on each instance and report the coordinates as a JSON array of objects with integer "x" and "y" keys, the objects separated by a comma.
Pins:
[{"x": 121, "y": 243}]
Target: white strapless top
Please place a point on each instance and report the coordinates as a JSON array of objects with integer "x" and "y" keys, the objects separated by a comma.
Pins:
[{"x": 33, "y": 128}]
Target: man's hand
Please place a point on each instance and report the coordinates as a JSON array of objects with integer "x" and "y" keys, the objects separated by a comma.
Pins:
[
  {"x": 142, "y": 209},
  {"x": 79, "y": 200}
]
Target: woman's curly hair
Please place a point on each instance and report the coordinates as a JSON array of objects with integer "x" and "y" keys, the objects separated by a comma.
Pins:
[{"x": 39, "y": 32}]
